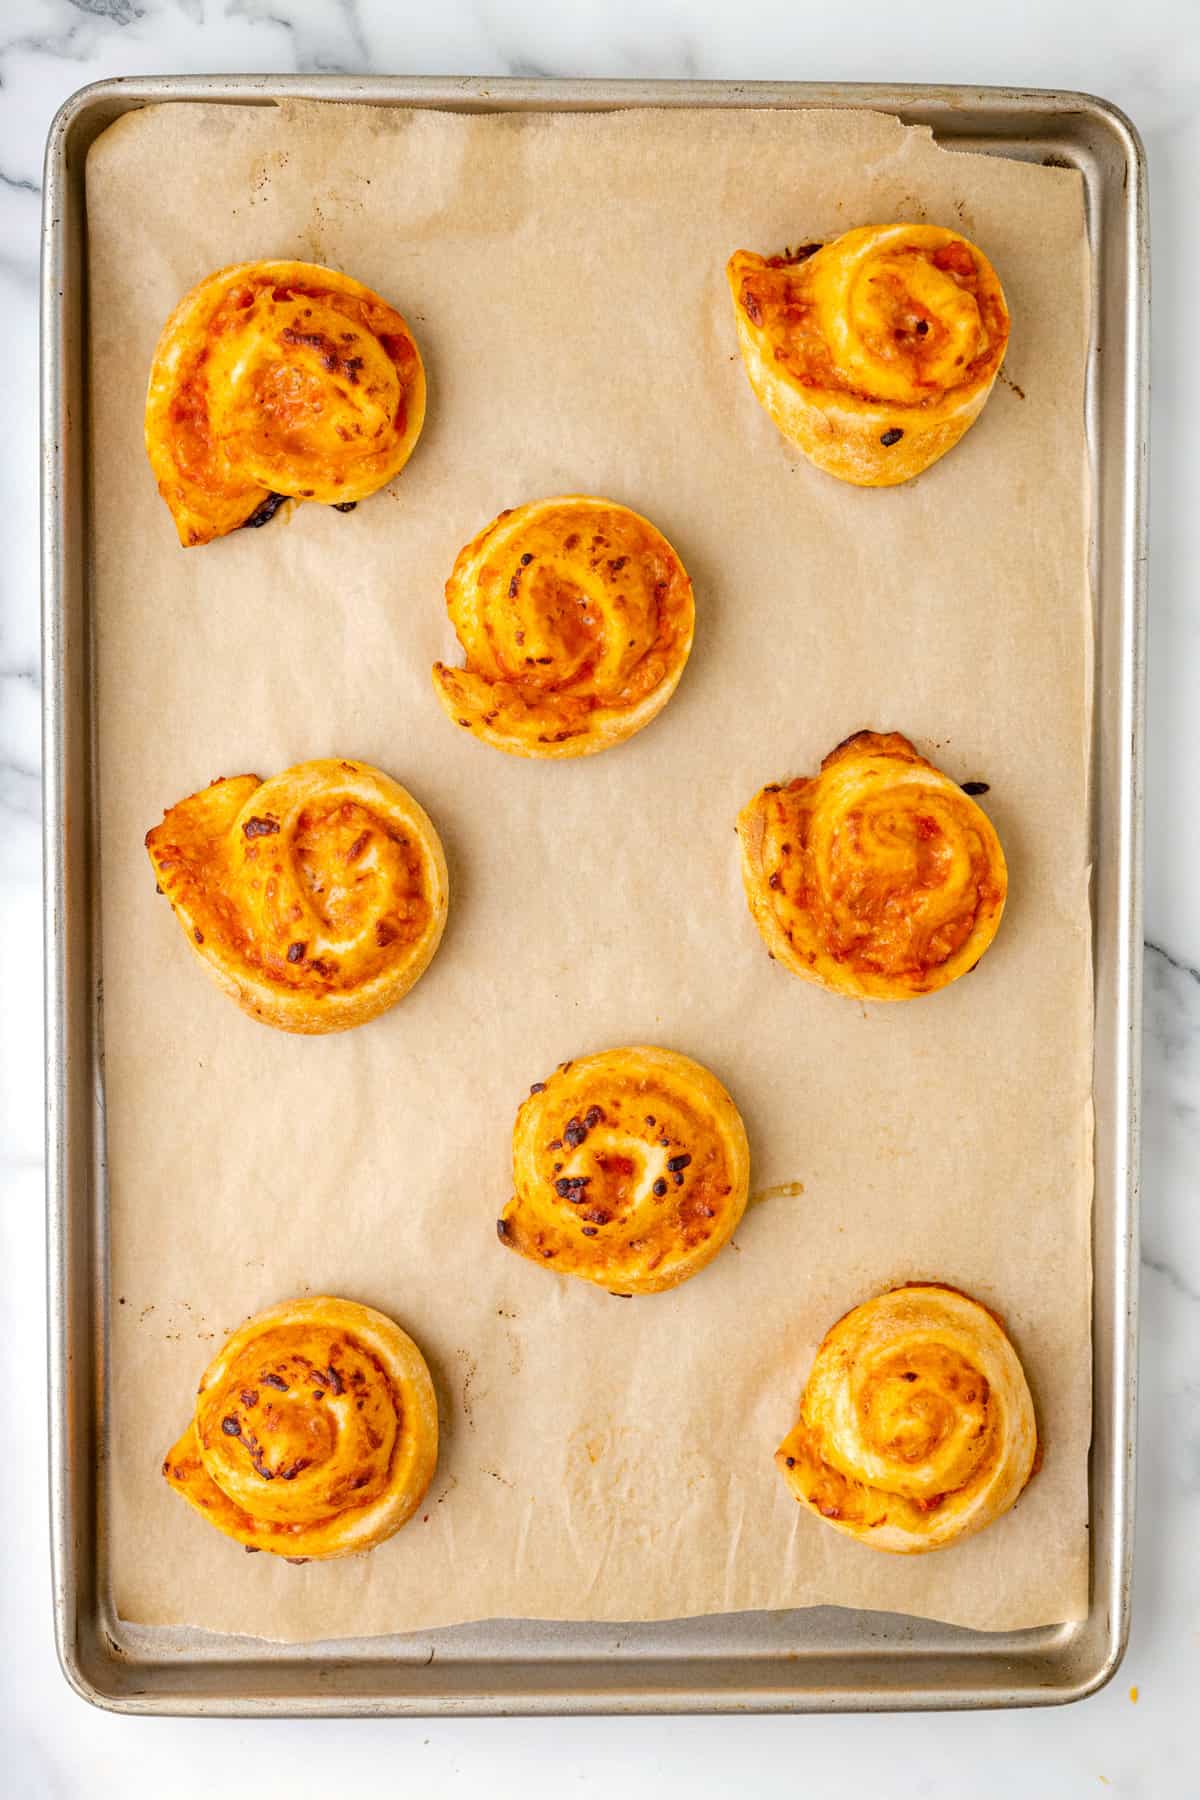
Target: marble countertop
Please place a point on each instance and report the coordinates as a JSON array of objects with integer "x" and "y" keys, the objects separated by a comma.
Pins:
[{"x": 1135, "y": 1738}]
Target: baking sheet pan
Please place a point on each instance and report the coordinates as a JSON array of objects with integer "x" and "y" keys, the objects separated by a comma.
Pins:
[{"x": 791, "y": 1660}]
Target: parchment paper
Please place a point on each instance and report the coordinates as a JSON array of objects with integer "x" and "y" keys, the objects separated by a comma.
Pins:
[{"x": 602, "y": 1459}]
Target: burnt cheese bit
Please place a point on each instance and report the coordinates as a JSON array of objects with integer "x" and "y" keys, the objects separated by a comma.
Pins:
[
  {"x": 891, "y": 437},
  {"x": 198, "y": 935},
  {"x": 799, "y": 254},
  {"x": 296, "y": 951},
  {"x": 263, "y": 513},
  {"x": 592, "y": 1117},
  {"x": 275, "y": 1381},
  {"x": 575, "y": 1133},
  {"x": 230, "y": 1426},
  {"x": 256, "y": 828}
]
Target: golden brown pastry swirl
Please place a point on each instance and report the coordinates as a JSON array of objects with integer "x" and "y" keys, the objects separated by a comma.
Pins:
[
  {"x": 874, "y": 352},
  {"x": 576, "y": 619},
  {"x": 916, "y": 1426},
  {"x": 316, "y": 899},
  {"x": 631, "y": 1169},
  {"x": 277, "y": 379},
  {"x": 315, "y": 1431},
  {"x": 879, "y": 877}
]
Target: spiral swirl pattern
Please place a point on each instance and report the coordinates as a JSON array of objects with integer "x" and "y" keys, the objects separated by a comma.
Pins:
[
  {"x": 279, "y": 379},
  {"x": 576, "y": 618},
  {"x": 316, "y": 898},
  {"x": 916, "y": 1426},
  {"x": 875, "y": 352},
  {"x": 879, "y": 877},
  {"x": 314, "y": 1434},
  {"x": 631, "y": 1170}
]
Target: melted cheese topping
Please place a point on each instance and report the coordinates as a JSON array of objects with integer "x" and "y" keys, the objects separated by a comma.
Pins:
[
  {"x": 879, "y": 877},
  {"x": 916, "y": 1426},
  {"x": 631, "y": 1169},
  {"x": 317, "y": 898},
  {"x": 314, "y": 1433},
  {"x": 576, "y": 617},
  {"x": 279, "y": 378}
]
